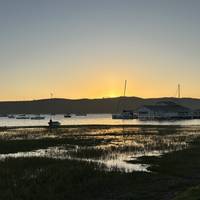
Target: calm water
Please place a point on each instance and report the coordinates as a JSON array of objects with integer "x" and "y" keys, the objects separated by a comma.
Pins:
[
  {"x": 113, "y": 147},
  {"x": 89, "y": 119}
]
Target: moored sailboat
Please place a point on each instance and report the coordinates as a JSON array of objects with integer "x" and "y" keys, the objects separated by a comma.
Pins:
[{"x": 125, "y": 114}]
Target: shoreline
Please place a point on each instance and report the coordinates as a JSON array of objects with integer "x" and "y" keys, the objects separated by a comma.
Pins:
[{"x": 101, "y": 126}]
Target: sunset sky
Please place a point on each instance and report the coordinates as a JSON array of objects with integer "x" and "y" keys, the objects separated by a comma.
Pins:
[{"x": 87, "y": 48}]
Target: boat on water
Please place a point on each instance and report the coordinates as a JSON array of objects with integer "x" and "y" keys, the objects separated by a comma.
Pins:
[
  {"x": 67, "y": 116},
  {"x": 126, "y": 114},
  {"x": 22, "y": 116},
  {"x": 37, "y": 117},
  {"x": 11, "y": 117},
  {"x": 54, "y": 124}
]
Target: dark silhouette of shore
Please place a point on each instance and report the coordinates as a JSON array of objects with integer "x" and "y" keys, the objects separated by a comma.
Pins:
[{"x": 103, "y": 105}]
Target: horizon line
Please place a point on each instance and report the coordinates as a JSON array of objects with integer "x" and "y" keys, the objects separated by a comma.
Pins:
[{"x": 98, "y": 98}]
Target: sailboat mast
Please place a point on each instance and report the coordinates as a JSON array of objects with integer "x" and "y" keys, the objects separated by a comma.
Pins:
[
  {"x": 125, "y": 88},
  {"x": 179, "y": 91},
  {"x": 51, "y": 95}
]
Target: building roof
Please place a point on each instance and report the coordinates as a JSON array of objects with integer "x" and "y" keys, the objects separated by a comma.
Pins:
[{"x": 167, "y": 107}]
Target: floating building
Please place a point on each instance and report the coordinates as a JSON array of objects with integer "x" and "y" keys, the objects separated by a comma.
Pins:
[{"x": 164, "y": 110}]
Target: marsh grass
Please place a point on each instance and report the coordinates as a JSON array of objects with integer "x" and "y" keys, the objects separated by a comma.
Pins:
[
  {"x": 51, "y": 179},
  {"x": 39, "y": 178},
  {"x": 192, "y": 193},
  {"x": 14, "y": 146}
]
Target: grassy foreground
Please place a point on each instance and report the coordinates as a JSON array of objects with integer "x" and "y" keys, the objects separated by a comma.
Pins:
[
  {"x": 192, "y": 193},
  {"x": 174, "y": 176},
  {"x": 37, "y": 178}
]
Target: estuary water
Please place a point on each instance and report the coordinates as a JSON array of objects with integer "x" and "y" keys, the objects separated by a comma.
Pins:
[
  {"x": 111, "y": 148},
  {"x": 99, "y": 119}
]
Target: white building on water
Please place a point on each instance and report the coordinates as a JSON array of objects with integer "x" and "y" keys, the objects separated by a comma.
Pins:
[{"x": 164, "y": 110}]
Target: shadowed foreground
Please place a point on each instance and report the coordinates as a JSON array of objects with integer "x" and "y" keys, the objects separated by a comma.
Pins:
[{"x": 174, "y": 176}]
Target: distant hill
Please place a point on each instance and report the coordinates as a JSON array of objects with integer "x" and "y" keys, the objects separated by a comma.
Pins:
[{"x": 104, "y": 105}]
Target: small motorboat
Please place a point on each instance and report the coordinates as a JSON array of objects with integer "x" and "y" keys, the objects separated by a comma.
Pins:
[
  {"x": 67, "y": 116},
  {"x": 37, "y": 117},
  {"x": 22, "y": 116},
  {"x": 54, "y": 124},
  {"x": 11, "y": 117}
]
